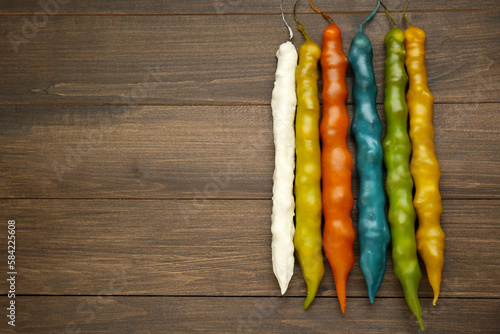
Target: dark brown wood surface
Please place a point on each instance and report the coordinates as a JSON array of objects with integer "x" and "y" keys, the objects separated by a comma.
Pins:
[
  {"x": 208, "y": 247},
  {"x": 167, "y": 7},
  {"x": 191, "y": 59},
  {"x": 200, "y": 151},
  {"x": 134, "y": 314},
  {"x": 137, "y": 155}
]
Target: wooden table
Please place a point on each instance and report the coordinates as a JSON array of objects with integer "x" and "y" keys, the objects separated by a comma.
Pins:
[{"x": 137, "y": 154}]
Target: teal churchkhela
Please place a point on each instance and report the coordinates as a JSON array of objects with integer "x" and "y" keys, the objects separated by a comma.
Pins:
[{"x": 373, "y": 231}]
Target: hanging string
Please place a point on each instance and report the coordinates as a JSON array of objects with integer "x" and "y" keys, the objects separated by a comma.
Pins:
[
  {"x": 388, "y": 14},
  {"x": 404, "y": 12},
  {"x": 299, "y": 25},
  {"x": 371, "y": 15},
  {"x": 325, "y": 15},
  {"x": 283, "y": 18}
]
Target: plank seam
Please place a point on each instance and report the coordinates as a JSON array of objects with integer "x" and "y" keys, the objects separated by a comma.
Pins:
[
  {"x": 186, "y": 199},
  {"x": 192, "y": 104},
  {"x": 234, "y": 296},
  {"x": 253, "y": 14}
]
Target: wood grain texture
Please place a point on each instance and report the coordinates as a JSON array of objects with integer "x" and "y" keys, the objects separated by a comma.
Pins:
[
  {"x": 199, "y": 151},
  {"x": 141, "y": 315},
  {"x": 228, "y": 6},
  {"x": 136, "y": 156},
  {"x": 211, "y": 248},
  {"x": 187, "y": 59}
]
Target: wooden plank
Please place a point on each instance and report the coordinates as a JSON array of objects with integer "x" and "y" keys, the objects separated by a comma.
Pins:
[
  {"x": 246, "y": 315},
  {"x": 198, "y": 151},
  {"x": 219, "y": 59},
  {"x": 225, "y": 6},
  {"x": 210, "y": 248},
  {"x": 146, "y": 152},
  {"x": 460, "y": 146}
]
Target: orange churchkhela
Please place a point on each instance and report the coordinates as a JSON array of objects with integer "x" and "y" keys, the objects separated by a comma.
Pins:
[{"x": 336, "y": 160}]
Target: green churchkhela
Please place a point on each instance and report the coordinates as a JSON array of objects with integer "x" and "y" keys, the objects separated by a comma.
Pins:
[
  {"x": 373, "y": 231},
  {"x": 399, "y": 184}
]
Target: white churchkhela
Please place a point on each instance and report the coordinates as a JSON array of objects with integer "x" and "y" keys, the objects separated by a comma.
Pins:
[{"x": 283, "y": 103}]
